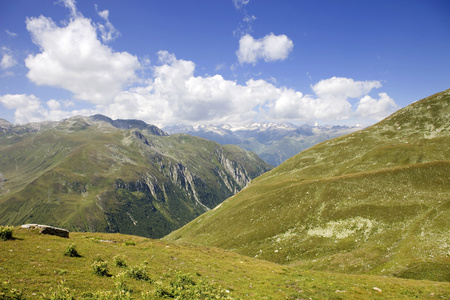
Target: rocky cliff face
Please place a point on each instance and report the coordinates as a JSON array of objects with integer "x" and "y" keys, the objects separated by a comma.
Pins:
[{"x": 98, "y": 174}]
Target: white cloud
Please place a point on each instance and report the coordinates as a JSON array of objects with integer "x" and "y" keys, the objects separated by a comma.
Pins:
[
  {"x": 240, "y": 3},
  {"x": 248, "y": 18},
  {"x": 270, "y": 48},
  {"x": 331, "y": 102},
  {"x": 10, "y": 33},
  {"x": 246, "y": 27},
  {"x": 220, "y": 67},
  {"x": 108, "y": 31},
  {"x": 71, "y": 5},
  {"x": 7, "y": 61},
  {"x": 333, "y": 96},
  {"x": 175, "y": 95},
  {"x": 164, "y": 57},
  {"x": 74, "y": 59},
  {"x": 54, "y": 104},
  {"x": 104, "y": 14},
  {"x": 339, "y": 87},
  {"x": 29, "y": 108},
  {"x": 376, "y": 109}
]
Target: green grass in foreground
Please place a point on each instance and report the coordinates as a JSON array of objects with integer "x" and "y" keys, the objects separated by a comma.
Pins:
[{"x": 34, "y": 266}]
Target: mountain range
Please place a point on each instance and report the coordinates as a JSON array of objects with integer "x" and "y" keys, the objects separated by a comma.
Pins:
[
  {"x": 376, "y": 201},
  {"x": 98, "y": 174},
  {"x": 273, "y": 142}
]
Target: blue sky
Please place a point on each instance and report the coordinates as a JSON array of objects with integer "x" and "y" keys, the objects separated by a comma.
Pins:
[{"x": 221, "y": 61}]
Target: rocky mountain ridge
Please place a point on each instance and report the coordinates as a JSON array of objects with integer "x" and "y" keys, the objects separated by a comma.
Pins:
[{"x": 9, "y": 128}]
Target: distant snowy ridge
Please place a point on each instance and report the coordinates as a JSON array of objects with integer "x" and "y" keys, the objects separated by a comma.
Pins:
[{"x": 273, "y": 142}]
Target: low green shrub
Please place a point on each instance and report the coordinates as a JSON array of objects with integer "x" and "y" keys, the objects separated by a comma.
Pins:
[
  {"x": 120, "y": 261},
  {"x": 100, "y": 268},
  {"x": 139, "y": 273},
  {"x": 121, "y": 285},
  {"x": 6, "y": 232},
  {"x": 71, "y": 251},
  {"x": 184, "y": 287},
  {"x": 8, "y": 293},
  {"x": 61, "y": 292}
]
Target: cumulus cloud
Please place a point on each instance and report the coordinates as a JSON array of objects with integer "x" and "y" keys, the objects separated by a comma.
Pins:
[
  {"x": 7, "y": 61},
  {"x": 54, "y": 104},
  {"x": 71, "y": 5},
  {"x": 240, "y": 3},
  {"x": 374, "y": 109},
  {"x": 29, "y": 108},
  {"x": 108, "y": 31},
  {"x": 332, "y": 101},
  {"x": 74, "y": 59},
  {"x": 176, "y": 95},
  {"x": 340, "y": 87},
  {"x": 333, "y": 96},
  {"x": 270, "y": 48}
]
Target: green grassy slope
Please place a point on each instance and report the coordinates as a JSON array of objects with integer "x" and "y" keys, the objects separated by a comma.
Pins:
[
  {"x": 35, "y": 265},
  {"x": 375, "y": 201},
  {"x": 90, "y": 176}
]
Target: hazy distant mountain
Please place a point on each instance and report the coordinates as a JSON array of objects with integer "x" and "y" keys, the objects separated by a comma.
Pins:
[
  {"x": 98, "y": 174},
  {"x": 376, "y": 201},
  {"x": 274, "y": 143}
]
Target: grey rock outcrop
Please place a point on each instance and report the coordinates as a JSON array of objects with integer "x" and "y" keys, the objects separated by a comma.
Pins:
[{"x": 45, "y": 229}]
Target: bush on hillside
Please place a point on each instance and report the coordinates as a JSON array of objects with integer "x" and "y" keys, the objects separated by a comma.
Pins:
[
  {"x": 71, "y": 251},
  {"x": 6, "y": 232},
  {"x": 120, "y": 261},
  {"x": 60, "y": 292},
  {"x": 184, "y": 287},
  {"x": 9, "y": 293},
  {"x": 139, "y": 273},
  {"x": 100, "y": 268}
]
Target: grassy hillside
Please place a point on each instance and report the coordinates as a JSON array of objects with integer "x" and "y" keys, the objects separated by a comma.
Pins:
[
  {"x": 85, "y": 174},
  {"x": 375, "y": 201},
  {"x": 34, "y": 265}
]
